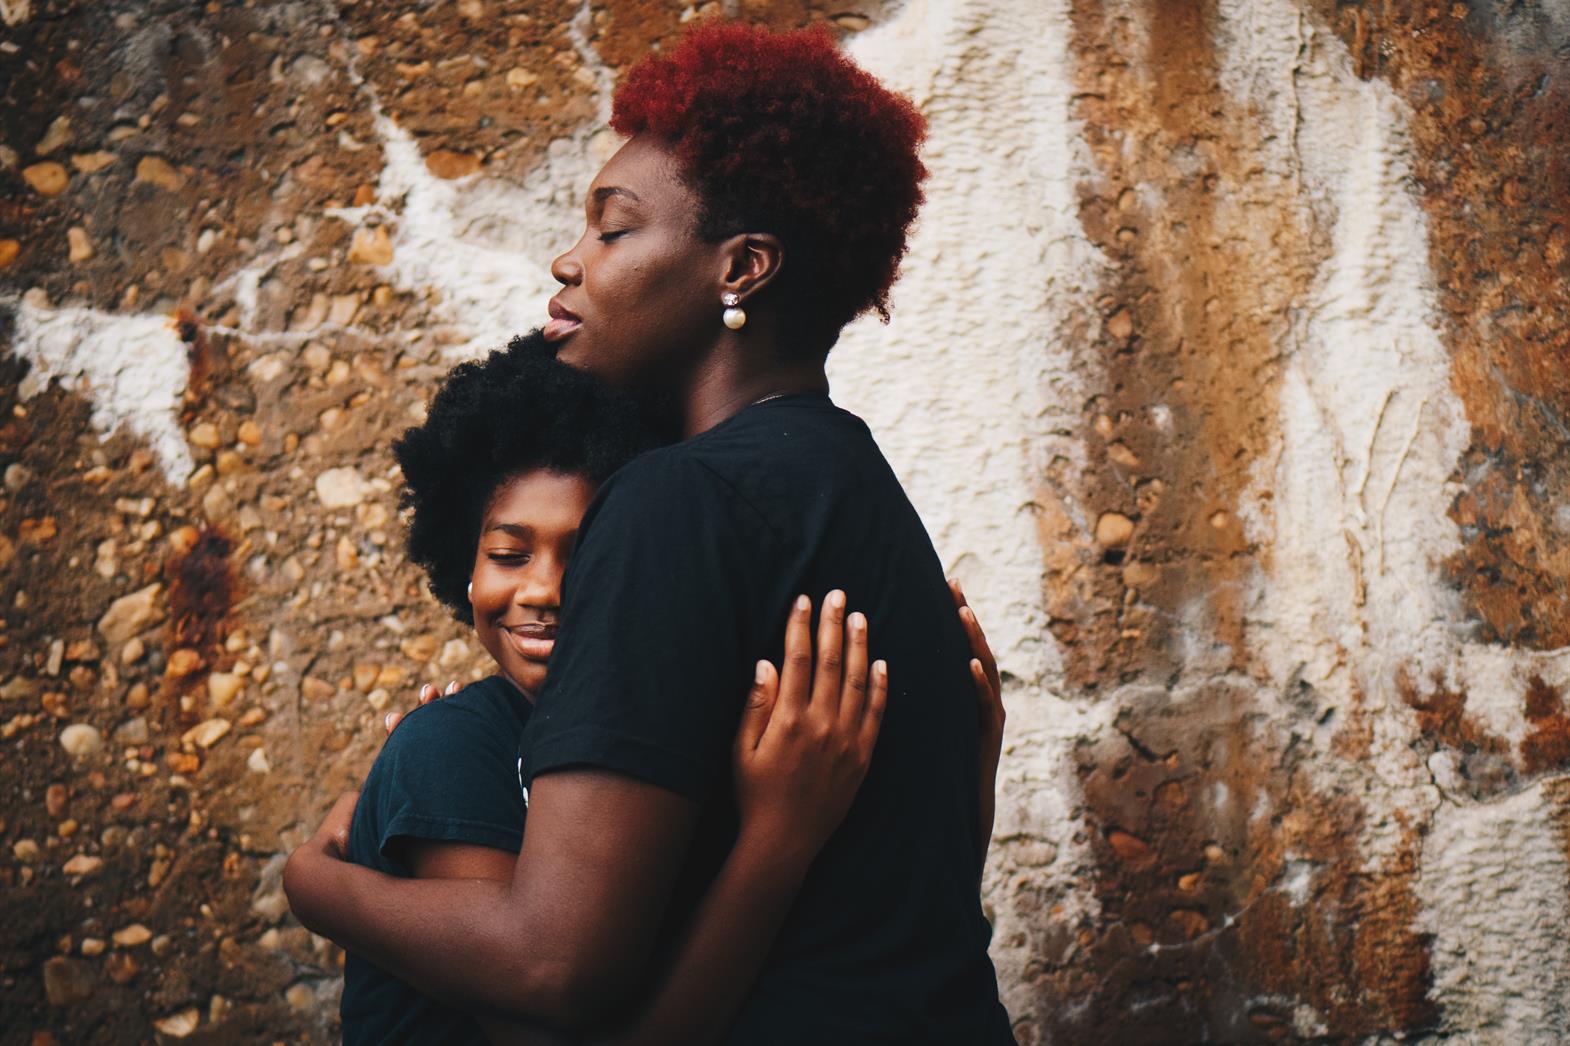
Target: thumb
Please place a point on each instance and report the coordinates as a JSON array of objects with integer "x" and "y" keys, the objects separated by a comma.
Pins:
[{"x": 760, "y": 705}]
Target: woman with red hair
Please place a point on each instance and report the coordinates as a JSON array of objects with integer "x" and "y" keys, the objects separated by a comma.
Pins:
[{"x": 761, "y": 201}]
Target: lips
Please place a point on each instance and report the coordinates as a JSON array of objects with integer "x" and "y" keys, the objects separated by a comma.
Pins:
[
  {"x": 563, "y": 322},
  {"x": 533, "y": 641}
]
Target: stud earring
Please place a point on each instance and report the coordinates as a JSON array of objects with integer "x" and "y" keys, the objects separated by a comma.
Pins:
[
  {"x": 470, "y": 590},
  {"x": 735, "y": 316}
]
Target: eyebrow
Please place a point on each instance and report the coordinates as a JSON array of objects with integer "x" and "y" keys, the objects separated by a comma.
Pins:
[
  {"x": 605, "y": 192},
  {"x": 517, "y": 530}
]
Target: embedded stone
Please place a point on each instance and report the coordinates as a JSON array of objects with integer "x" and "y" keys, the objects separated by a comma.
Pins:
[
  {"x": 1113, "y": 530},
  {"x": 131, "y": 614},
  {"x": 179, "y": 1025},
  {"x": 92, "y": 163},
  {"x": 223, "y": 687},
  {"x": 82, "y": 865},
  {"x": 341, "y": 488},
  {"x": 132, "y": 936},
  {"x": 81, "y": 740},
  {"x": 155, "y": 170},
  {"x": 371, "y": 247},
  {"x": 47, "y": 179},
  {"x": 207, "y": 733},
  {"x": 57, "y": 134}
]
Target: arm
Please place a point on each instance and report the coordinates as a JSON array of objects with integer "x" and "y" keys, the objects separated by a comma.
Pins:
[
  {"x": 989, "y": 696},
  {"x": 563, "y": 941},
  {"x": 799, "y": 759},
  {"x": 427, "y": 859}
]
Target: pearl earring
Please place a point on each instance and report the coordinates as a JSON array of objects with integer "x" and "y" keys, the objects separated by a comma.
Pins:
[
  {"x": 470, "y": 590},
  {"x": 735, "y": 316}
]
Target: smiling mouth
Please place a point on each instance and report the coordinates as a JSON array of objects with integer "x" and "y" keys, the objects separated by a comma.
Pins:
[{"x": 533, "y": 642}]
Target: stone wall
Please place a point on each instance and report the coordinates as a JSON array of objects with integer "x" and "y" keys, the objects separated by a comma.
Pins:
[{"x": 1229, "y": 371}]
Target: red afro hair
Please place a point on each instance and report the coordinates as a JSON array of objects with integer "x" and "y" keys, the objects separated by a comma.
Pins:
[{"x": 780, "y": 132}]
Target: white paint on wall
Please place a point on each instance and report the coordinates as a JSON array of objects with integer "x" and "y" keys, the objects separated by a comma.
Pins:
[
  {"x": 481, "y": 247},
  {"x": 980, "y": 381},
  {"x": 1493, "y": 894},
  {"x": 1354, "y": 507},
  {"x": 132, "y": 368}
]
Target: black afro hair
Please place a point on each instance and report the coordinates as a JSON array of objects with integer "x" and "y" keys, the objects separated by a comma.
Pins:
[{"x": 516, "y": 410}]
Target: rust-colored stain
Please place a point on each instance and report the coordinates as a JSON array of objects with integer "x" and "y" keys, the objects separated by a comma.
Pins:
[
  {"x": 1210, "y": 255},
  {"x": 202, "y": 592},
  {"x": 1233, "y": 892},
  {"x": 1490, "y": 105},
  {"x": 1547, "y": 747}
]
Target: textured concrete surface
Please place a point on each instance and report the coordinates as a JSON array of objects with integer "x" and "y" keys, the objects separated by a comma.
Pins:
[{"x": 1228, "y": 371}]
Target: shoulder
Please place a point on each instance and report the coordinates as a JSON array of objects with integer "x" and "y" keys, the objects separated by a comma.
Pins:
[
  {"x": 482, "y": 716},
  {"x": 674, "y": 488}
]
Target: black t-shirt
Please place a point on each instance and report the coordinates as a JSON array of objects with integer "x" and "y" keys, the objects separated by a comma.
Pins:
[
  {"x": 449, "y": 773},
  {"x": 687, "y": 564}
]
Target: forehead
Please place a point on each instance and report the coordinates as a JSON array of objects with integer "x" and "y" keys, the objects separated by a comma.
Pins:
[
  {"x": 647, "y": 167},
  {"x": 540, "y": 499}
]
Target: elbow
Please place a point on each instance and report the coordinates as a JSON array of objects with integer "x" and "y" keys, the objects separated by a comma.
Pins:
[
  {"x": 577, "y": 999},
  {"x": 296, "y": 887}
]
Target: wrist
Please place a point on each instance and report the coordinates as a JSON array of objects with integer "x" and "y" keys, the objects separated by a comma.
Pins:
[{"x": 773, "y": 850}]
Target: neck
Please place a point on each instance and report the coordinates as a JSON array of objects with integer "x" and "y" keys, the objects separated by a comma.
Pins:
[{"x": 739, "y": 373}]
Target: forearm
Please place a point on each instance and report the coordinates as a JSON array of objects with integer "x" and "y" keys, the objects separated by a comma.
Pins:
[
  {"x": 724, "y": 949},
  {"x": 453, "y": 939}
]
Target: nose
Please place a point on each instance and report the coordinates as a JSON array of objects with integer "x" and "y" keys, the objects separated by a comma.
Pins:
[
  {"x": 540, "y": 585},
  {"x": 566, "y": 269}
]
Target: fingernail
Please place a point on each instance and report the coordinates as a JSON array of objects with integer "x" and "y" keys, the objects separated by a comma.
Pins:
[
  {"x": 837, "y": 599},
  {"x": 803, "y": 603},
  {"x": 761, "y": 673},
  {"x": 880, "y": 667},
  {"x": 857, "y": 621},
  {"x": 387, "y": 721}
]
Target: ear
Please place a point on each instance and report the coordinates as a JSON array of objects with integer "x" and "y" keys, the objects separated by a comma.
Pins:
[{"x": 752, "y": 260}]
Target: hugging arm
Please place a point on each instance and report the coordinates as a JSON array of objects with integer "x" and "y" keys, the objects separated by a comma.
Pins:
[
  {"x": 564, "y": 940},
  {"x": 988, "y": 682},
  {"x": 799, "y": 758}
]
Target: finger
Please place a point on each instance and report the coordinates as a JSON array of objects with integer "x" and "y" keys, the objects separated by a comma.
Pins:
[
  {"x": 877, "y": 701},
  {"x": 339, "y": 818},
  {"x": 980, "y": 648},
  {"x": 452, "y": 688},
  {"x": 957, "y": 592},
  {"x": 427, "y": 694},
  {"x": 831, "y": 654},
  {"x": 760, "y": 705},
  {"x": 796, "y": 674},
  {"x": 391, "y": 720},
  {"x": 984, "y": 692},
  {"x": 853, "y": 693}
]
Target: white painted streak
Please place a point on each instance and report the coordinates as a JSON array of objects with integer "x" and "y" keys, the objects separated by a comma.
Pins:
[
  {"x": 976, "y": 385},
  {"x": 1499, "y": 958},
  {"x": 1355, "y": 504},
  {"x": 131, "y": 368},
  {"x": 482, "y": 247},
  {"x": 973, "y": 386}
]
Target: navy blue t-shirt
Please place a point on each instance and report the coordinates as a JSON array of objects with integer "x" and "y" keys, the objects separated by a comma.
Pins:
[
  {"x": 687, "y": 563},
  {"x": 449, "y": 773}
]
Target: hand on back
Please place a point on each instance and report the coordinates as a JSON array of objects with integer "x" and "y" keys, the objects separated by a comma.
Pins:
[{"x": 808, "y": 731}]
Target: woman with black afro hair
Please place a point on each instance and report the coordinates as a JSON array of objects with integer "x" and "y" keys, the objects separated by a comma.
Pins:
[
  {"x": 761, "y": 201},
  {"x": 497, "y": 481}
]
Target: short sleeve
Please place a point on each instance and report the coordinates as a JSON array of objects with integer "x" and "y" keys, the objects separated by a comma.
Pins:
[
  {"x": 448, "y": 774},
  {"x": 650, "y": 671}
]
